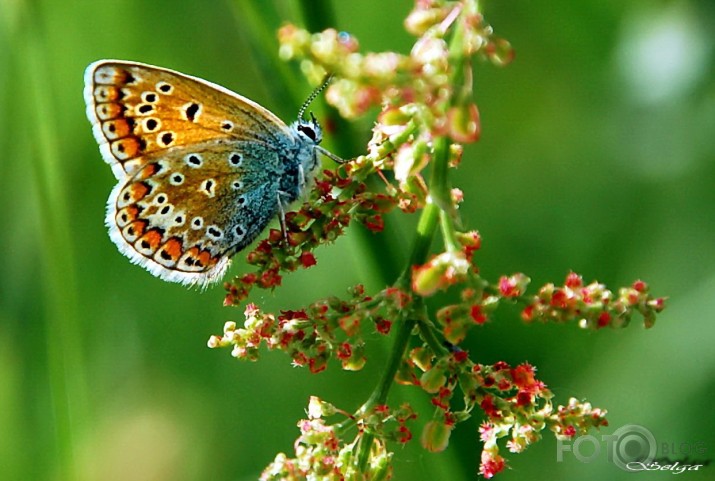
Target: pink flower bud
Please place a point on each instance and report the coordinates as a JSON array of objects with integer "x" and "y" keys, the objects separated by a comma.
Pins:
[
  {"x": 513, "y": 286},
  {"x": 439, "y": 273},
  {"x": 492, "y": 463},
  {"x": 463, "y": 123},
  {"x": 422, "y": 19}
]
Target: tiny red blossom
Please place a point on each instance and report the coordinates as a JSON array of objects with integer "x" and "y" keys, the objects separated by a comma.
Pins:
[
  {"x": 307, "y": 259},
  {"x": 640, "y": 286},
  {"x": 271, "y": 278},
  {"x": 523, "y": 376},
  {"x": 491, "y": 464},
  {"x": 383, "y": 326},
  {"x": 461, "y": 356},
  {"x": 573, "y": 280},
  {"x": 500, "y": 365},
  {"x": 344, "y": 351},
  {"x": 317, "y": 365},
  {"x": 504, "y": 384},
  {"x": 477, "y": 315},
  {"x": 489, "y": 408},
  {"x": 523, "y": 399},
  {"x": 405, "y": 434},
  {"x": 375, "y": 223}
]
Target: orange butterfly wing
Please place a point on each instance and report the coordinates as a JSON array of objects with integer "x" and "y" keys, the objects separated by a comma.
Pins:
[{"x": 199, "y": 167}]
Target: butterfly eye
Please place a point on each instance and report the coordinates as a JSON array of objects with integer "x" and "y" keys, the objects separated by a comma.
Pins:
[{"x": 308, "y": 131}]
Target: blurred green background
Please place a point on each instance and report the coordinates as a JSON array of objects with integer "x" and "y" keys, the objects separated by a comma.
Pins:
[{"x": 596, "y": 155}]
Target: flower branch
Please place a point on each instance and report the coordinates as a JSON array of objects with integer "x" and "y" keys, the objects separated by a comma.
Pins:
[{"x": 426, "y": 113}]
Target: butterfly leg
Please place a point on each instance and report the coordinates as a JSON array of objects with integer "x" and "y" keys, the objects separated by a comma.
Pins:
[
  {"x": 282, "y": 215},
  {"x": 301, "y": 177}
]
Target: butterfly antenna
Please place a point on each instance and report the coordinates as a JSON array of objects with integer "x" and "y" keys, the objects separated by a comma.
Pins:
[{"x": 315, "y": 93}]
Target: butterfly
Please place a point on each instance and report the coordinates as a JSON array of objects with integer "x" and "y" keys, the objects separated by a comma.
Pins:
[{"x": 200, "y": 170}]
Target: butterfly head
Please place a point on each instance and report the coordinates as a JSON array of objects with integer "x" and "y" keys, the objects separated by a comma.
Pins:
[{"x": 309, "y": 130}]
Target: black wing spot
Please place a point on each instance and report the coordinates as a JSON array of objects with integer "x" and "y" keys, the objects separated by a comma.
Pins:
[
  {"x": 235, "y": 159},
  {"x": 145, "y": 108},
  {"x": 208, "y": 186},
  {"x": 151, "y": 124},
  {"x": 191, "y": 111},
  {"x": 214, "y": 232},
  {"x": 164, "y": 87},
  {"x": 194, "y": 160},
  {"x": 167, "y": 138}
]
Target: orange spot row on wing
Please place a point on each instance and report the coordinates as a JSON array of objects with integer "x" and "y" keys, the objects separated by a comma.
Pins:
[
  {"x": 109, "y": 110},
  {"x": 149, "y": 170},
  {"x": 173, "y": 248},
  {"x": 200, "y": 258},
  {"x": 138, "y": 190},
  {"x": 151, "y": 240},
  {"x": 126, "y": 148},
  {"x": 116, "y": 129}
]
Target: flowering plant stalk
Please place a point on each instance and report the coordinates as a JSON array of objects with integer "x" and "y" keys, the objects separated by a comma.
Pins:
[{"x": 427, "y": 112}]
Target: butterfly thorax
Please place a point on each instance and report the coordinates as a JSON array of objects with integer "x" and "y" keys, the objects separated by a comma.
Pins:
[{"x": 300, "y": 160}]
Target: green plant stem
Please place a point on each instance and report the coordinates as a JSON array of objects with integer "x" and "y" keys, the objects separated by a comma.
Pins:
[
  {"x": 426, "y": 228},
  {"x": 423, "y": 240},
  {"x": 427, "y": 334},
  {"x": 379, "y": 394},
  {"x": 427, "y": 224},
  {"x": 440, "y": 188},
  {"x": 448, "y": 232}
]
